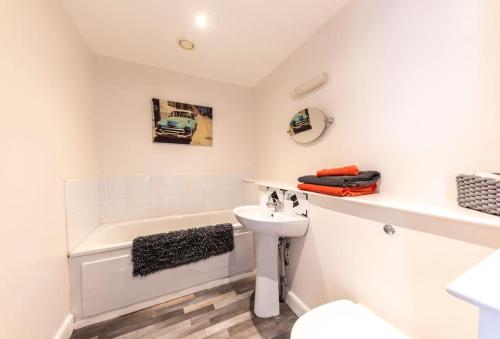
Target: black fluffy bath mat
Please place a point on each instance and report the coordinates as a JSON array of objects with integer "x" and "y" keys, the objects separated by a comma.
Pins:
[{"x": 157, "y": 252}]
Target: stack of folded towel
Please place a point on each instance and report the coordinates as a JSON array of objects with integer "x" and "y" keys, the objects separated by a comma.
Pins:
[{"x": 344, "y": 181}]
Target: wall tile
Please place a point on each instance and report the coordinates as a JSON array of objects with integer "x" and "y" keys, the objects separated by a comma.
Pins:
[
  {"x": 74, "y": 196},
  {"x": 134, "y": 186},
  {"x": 150, "y": 207},
  {"x": 121, "y": 198},
  {"x": 160, "y": 184},
  {"x": 80, "y": 193},
  {"x": 250, "y": 194},
  {"x": 82, "y": 213},
  {"x": 80, "y": 224},
  {"x": 200, "y": 183},
  {"x": 216, "y": 200},
  {"x": 103, "y": 188},
  {"x": 237, "y": 198},
  {"x": 231, "y": 181},
  {"x": 178, "y": 184},
  {"x": 115, "y": 210},
  {"x": 93, "y": 201},
  {"x": 169, "y": 184},
  {"x": 186, "y": 203},
  {"x": 303, "y": 203}
]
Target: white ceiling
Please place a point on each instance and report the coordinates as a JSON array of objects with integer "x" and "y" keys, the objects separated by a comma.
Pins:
[{"x": 242, "y": 42}]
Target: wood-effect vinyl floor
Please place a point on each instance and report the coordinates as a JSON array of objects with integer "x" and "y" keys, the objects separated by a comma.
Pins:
[{"x": 220, "y": 312}]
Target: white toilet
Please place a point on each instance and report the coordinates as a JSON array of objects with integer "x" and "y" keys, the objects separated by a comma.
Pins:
[{"x": 343, "y": 319}]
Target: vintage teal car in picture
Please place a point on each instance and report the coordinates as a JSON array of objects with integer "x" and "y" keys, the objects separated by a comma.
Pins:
[
  {"x": 181, "y": 123},
  {"x": 300, "y": 122},
  {"x": 179, "y": 126}
]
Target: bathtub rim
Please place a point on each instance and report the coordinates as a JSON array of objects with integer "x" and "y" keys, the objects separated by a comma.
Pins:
[{"x": 78, "y": 251}]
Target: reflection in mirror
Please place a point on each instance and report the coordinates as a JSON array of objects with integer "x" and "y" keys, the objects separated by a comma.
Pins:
[{"x": 307, "y": 125}]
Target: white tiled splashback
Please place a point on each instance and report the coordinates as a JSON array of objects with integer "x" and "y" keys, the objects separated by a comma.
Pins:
[
  {"x": 148, "y": 196},
  {"x": 93, "y": 201},
  {"x": 302, "y": 202}
]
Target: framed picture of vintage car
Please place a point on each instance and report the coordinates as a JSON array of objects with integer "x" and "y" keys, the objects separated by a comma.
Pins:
[{"x": 181, "y": 123}]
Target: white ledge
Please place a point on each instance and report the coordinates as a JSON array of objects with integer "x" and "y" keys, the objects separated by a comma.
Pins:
[
  {"x": 443, "y": 218},
  {"x": 480, "y": 285}
]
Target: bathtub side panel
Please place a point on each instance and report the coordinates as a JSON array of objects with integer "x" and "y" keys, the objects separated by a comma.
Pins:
[{"x": 102, "y": 283}]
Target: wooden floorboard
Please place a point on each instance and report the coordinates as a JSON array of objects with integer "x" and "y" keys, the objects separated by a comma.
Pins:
[{"x": 220, "y": 312}]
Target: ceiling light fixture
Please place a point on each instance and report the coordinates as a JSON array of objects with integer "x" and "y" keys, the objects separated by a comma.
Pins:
[
  {"x": 185, "y": 44},
  {"x": 201, "y": 20}
]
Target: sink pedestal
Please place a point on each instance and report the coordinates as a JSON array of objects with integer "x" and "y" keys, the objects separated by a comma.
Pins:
[
  {"x": 266, "y": 284},
  {"x": 267, "y": 226}
]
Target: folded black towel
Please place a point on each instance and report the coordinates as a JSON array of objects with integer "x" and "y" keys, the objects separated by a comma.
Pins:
[
  {"x": 364, "y": 178},
  {"x": 157, "y": 252}
]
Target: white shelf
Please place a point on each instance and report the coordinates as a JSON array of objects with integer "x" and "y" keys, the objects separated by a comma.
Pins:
[{"x": 444, "y": 218}]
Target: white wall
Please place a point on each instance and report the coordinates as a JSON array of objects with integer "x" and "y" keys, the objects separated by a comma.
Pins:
[
  {"x": 402, "y": 278},
  {"x": 412, "y": 87},
  {"x": 414, "y": 90},
  {"x": 141, "y": 179},
  {"x": 47, "y": 111},
  {"x": 124, "y": 93}
]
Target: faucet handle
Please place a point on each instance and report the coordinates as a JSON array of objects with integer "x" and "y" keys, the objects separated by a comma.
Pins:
[
  {"x": 293, "y": 198},
  {"x": 274, "y": 196},
  {"x": 274, "y": 201}
]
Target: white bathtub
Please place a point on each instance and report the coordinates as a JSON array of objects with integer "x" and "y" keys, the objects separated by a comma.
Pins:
[{"x": 100, "y": 268}]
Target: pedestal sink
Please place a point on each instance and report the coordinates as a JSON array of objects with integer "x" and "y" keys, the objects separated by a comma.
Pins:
[{"x": 267, "y": 226}]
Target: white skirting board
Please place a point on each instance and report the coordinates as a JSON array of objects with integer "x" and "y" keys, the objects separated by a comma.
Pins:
[
  {"x": 64, "y": 332},
  {"x": 159, "y": 300},
  {"x": 297, "y": 305}
]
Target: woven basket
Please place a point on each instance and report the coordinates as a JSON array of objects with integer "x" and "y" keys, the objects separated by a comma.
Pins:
[{"x": 478, "y": 193}]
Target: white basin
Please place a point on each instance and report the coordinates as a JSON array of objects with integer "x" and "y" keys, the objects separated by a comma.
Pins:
[
  {"x": 266, "y": 221},
  {"x": 267, "y": 227}
]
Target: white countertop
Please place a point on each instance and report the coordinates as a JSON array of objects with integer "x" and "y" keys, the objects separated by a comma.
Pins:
[
  {"x": 443, "y": 218},
  {"x": 481, "y": 284}
]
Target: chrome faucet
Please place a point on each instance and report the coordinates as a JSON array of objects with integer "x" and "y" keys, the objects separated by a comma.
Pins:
[{"x": 274, "y": 203}]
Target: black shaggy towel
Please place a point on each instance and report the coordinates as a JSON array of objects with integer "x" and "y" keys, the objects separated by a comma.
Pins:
[{"x": 157, "y": 252}]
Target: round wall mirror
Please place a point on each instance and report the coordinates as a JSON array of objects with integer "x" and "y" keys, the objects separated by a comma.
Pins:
[{"x": 307, "y": 125}]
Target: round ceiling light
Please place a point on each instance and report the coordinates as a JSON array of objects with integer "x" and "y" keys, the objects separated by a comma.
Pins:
[{"x": 186, "y": 44}]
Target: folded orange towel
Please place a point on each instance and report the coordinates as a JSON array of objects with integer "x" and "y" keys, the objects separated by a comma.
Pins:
[
  {"x": 348, "y": 170},
  {"x": 339, "y": 191}
]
